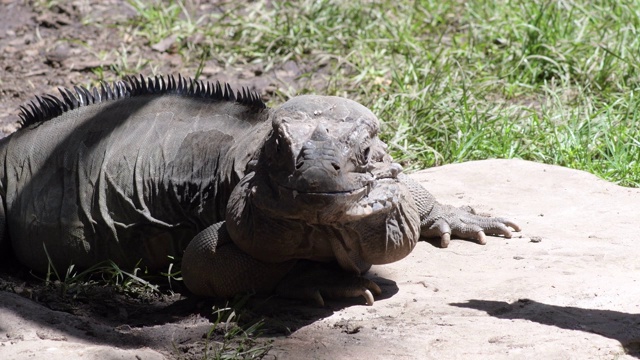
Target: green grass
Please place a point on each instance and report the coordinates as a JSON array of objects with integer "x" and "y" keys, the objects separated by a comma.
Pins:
[
  {"x": 235, "y": 341},
  {"x": 548, "y": 81},
  {"x": 107, "y": 273}
]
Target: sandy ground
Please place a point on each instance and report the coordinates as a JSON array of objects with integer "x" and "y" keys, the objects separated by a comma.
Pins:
[{"x": 564, "y": 288}]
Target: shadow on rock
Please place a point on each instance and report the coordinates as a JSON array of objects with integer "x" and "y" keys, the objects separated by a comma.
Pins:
[
  {"x": 282, "y": 316},
  {"x": 616, "y": 325}
]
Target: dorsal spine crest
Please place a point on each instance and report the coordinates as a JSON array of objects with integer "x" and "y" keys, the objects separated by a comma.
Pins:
[{"x": 49, "y": 106}]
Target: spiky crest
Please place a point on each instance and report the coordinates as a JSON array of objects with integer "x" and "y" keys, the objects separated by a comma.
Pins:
[{"x": 49, "y": 106}]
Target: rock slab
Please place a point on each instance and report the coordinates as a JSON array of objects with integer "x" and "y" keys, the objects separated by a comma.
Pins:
[{"x": 567, "y": 287}]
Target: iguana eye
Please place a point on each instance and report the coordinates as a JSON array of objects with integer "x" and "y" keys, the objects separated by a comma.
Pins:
[{"x": 278, "y": 147}]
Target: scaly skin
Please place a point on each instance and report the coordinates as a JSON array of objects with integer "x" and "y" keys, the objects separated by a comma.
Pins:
[{"x": 264, "y": 198}]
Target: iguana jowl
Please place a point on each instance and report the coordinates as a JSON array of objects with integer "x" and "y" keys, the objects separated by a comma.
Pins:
[{"x": 144, "y": 167}]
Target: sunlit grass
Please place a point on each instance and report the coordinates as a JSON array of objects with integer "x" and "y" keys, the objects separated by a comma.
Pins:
[{"x": 548, "y": 81}]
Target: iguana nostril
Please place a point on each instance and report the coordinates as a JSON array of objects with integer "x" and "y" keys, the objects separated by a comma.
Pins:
[{"x": 336, "y": 167}]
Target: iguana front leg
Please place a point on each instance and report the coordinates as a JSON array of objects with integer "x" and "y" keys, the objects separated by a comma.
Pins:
[
  {"x": 438, "y": 220},
  {"x": 212, "y": 265}
]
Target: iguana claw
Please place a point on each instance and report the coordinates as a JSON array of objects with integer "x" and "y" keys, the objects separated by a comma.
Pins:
[
  {"x": 368, "y": 297},
  {"x": 445, "y": 239}
]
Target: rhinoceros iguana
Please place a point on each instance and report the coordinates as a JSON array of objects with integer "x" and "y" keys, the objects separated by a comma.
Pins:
[{"x": 146, "y": 169}]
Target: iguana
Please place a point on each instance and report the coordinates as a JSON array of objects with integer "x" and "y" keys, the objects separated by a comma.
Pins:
[{"x": 144, "y": 169}]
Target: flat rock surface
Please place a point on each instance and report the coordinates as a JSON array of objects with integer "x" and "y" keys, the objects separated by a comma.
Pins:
[
  {"x": 566, "y": 287},
  {"x": 572, "y": 295}
]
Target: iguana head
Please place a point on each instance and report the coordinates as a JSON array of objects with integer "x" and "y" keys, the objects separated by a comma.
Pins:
[
  {"x": 323, "y": 165},
  {"x": 325, "y": 149}
]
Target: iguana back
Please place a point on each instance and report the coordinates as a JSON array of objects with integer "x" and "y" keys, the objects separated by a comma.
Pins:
[{"x": 88, "y": 185}]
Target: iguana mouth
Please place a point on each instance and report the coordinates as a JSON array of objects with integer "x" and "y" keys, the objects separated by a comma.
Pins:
[
  {"x": 349, "y": 205},
  {"x": 327, "y": 198},
  {"x": 357, "y": 191}
]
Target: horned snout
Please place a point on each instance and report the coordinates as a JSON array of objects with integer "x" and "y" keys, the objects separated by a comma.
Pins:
[{"x": 319, "y": 167}]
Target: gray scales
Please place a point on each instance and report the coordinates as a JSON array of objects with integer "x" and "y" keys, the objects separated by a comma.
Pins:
[{"x": 248, "y": 196}]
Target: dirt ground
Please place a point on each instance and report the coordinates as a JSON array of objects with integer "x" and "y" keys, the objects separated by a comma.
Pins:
[
  {"x": 43, "y": 49},
  {"x": 567, "y": 287}
]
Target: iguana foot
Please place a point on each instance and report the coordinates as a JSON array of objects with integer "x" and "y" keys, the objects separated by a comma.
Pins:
[
  {"x": 316, "y": 282},
  {"x": 446, "y": 220},
  {"x": 437, "y": 220}
]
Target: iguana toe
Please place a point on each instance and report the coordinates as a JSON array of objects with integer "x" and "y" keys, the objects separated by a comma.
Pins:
[
  {"x": 464, "y": 223},
  {"x": 495, "y": 226}
]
